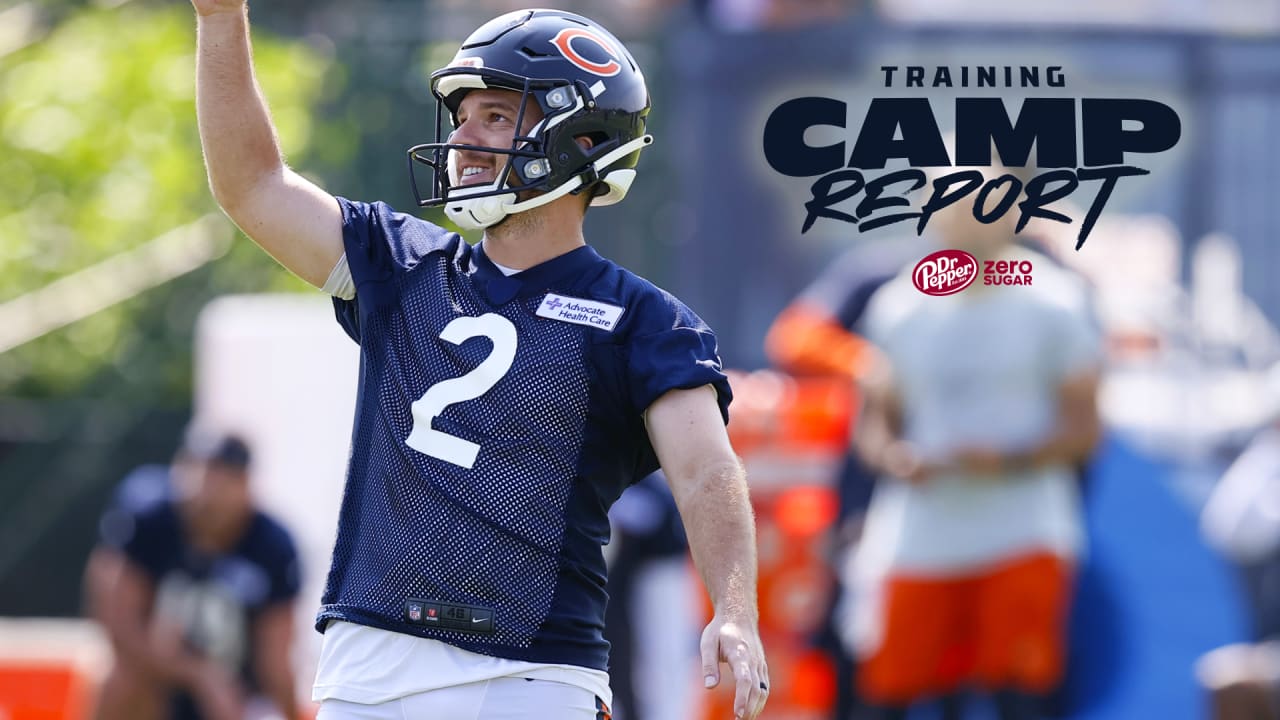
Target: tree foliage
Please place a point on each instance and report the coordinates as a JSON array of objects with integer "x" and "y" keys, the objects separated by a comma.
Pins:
[{"x": 99, "y": 153}]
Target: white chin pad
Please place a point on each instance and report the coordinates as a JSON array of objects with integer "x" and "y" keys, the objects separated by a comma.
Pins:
[
  {"x": 618, "y": 182},
  {"x": 478, "y": 213}
]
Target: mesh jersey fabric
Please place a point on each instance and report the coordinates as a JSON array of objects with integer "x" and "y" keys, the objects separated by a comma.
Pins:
[{"x": 553, "y": 408}]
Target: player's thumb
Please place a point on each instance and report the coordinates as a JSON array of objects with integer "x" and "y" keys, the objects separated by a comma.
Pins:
[{"x": 710, "y": 658}]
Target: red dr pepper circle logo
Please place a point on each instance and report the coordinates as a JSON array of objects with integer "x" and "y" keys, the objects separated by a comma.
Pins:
[
  {"x": 945, "y": 272},
  {"x": 564, "y": 43}
]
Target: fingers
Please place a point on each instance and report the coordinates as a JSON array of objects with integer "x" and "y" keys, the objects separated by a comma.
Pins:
[
  {"x": 751, "y": 687},
  {"x": 746, "y": 691},
  {"x": 745, "y": 657},
  {"x": 710, "y": 647},
  {"x": 751, "y": 680},
  {"x": 762, "y": 690}
]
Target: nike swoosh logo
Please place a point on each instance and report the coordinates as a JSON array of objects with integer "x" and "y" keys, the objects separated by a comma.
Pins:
[{"x": 476, "y": 620}]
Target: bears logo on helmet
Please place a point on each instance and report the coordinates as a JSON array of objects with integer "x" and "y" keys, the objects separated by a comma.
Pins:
[{"x": 564, "y": 41}]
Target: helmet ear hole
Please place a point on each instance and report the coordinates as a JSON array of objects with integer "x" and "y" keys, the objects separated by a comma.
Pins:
[{"x": 596, "y": 139}]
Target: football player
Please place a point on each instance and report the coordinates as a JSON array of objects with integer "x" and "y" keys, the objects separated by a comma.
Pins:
[
  {"x": 509, "y": 391},
  {"x": 195, "y": 589}
]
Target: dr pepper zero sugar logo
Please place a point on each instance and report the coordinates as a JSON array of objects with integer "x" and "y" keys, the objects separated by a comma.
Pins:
[{"x": 945, "y": 272}]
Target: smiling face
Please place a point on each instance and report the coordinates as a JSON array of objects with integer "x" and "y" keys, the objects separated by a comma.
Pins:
[{"x": 486, "y": 118}]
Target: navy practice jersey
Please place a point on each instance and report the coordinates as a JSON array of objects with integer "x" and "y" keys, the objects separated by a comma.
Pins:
[
  {"x": 498, "y": 419},
  {"x": 216, "y": 599}
]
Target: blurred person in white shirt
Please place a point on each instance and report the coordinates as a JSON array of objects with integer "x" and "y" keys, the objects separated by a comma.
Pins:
[{"x": 976, "y": 414}]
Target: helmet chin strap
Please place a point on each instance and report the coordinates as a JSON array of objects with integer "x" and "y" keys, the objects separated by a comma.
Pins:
[
  {"x": 478, "y": 213},
  {"x": 484, "y": 212}
]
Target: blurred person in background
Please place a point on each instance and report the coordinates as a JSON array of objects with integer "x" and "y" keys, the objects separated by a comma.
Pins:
[
  {"x": 1242, "y": 520},
  {"x": 651, "y": 613},
  {"x": 818, "y": 334},
  {"x": 194, "y": 588},
  {"x": 509, "y": 391},
  {"x": 974, "y": 417}
]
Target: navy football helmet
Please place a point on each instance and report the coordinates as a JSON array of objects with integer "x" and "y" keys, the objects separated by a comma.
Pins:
[{"x": 586, "y": 84}]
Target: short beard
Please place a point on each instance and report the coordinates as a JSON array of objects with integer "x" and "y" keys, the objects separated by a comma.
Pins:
[{"x": 516, "y": 224}]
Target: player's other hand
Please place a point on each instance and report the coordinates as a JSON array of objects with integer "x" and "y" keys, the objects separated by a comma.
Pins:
[
  {"x": 206, "y": 8},
  {"x": 219, "y": 695},
  {"x": 902, "y": 461},
  {"x": 737, "y": 644}
]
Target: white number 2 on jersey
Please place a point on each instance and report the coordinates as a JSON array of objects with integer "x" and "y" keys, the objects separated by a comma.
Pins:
[{"x": 444, "y": 446}]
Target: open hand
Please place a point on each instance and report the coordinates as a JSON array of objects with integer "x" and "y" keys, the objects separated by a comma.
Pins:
[{"x": 737, "y": 644}]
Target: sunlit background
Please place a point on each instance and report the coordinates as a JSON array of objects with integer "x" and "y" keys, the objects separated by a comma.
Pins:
[{"x": 117, "y": 271}]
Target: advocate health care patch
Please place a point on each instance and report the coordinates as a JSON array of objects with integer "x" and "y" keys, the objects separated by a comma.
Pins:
[{"x": 580, "y": 312}]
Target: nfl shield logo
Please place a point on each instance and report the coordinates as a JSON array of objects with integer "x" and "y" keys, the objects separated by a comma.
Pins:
[{"x": 415, "y": 613}]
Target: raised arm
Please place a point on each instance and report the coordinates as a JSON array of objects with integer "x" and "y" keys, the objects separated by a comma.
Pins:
[
  {"x": 710, "y": 489},
  {"x": 299, "y": 224}
]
